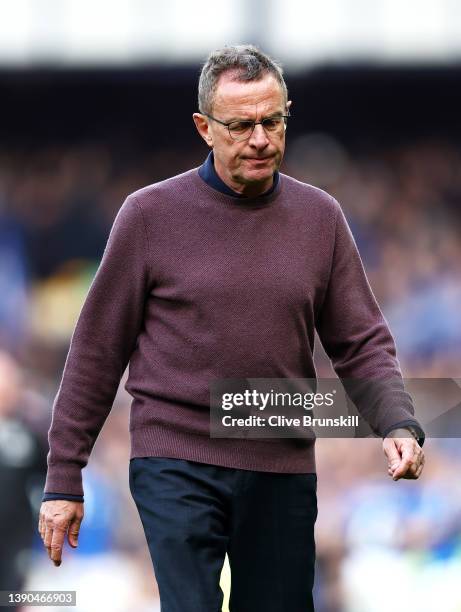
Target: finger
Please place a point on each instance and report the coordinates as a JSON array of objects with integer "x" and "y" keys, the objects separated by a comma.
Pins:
[
  {"x": 420, "y": 467},
  {"x": 48, "y": 536},
  {"x": 57, "y": 543},
  {"x": 412, "y": 469},
  {"x": 403, "y": 471},
  {"x": 393, "y": 454},
  {"x": 418, "y": 460},
  {"x": 414, "y": 465},
  {"x": 406, "y": 461},
  {"x": 74, "y": 529}
]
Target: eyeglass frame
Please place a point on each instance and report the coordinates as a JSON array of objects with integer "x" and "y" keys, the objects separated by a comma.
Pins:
[{"x": 255, "y": 123}]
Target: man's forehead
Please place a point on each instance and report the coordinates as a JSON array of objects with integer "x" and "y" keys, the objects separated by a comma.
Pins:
[{"x": 248, "y": 96}]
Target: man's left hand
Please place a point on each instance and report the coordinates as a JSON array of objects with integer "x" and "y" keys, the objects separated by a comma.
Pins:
[{"x": 404, "y": 454}]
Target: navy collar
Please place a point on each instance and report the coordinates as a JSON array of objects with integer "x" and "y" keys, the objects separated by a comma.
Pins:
[{"x": 208, "y": 173}]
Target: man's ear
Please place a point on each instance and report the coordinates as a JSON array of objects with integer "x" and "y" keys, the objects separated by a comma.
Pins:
[
  {"x": 203, "y": 128},
  {"x": 289, "y": 104}
]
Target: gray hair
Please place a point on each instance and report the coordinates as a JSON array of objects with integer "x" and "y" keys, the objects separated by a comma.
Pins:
[{"x": 248, "y": 63}]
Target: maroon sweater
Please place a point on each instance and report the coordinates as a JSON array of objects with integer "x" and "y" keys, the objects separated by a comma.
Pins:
[{"x": 196, "y": 285}]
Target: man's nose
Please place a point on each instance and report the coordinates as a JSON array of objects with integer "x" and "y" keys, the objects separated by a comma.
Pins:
[{"x": 259, "y": 137}]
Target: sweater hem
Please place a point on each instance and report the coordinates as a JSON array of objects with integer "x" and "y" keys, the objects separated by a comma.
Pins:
[{"x": 280, "y": 455}]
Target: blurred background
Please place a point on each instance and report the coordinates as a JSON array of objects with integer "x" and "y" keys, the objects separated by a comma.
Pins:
[{"x": 96, "y": 101}]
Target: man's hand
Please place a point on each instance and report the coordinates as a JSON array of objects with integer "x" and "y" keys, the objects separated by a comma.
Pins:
[
  {"x": 405, "y": 456},
  {"x": 58, "y": 517}
]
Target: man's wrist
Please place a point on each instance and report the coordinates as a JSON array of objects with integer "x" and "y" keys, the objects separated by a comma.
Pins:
[{"x": 403, "y": 432}]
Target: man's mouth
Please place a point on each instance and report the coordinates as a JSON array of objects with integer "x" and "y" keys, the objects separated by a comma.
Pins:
[{"x": 258, "y": 158}]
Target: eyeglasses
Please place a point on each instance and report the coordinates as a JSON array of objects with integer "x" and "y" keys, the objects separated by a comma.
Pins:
[{"x": 243, "y": 129}]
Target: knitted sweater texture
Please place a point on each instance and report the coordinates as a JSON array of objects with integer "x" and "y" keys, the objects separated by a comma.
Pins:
[{"x": 196, "y": 285}]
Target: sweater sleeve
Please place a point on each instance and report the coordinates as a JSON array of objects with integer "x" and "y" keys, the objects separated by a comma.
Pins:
[
  {"x": 101, "y": 345},
  {"x": 358, "y": 341}
]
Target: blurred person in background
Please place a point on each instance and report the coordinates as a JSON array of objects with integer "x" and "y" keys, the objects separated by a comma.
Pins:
[
  {"x": 22, "y": 473},
  {"x": 13, "y": 284},
  {"x": 204, "y": 277}
]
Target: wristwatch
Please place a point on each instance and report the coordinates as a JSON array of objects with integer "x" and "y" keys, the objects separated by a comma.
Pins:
[{"x": 413, "y": 432}]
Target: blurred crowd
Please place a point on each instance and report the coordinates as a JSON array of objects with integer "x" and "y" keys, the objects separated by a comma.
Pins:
[{"x": 380, "y": 544}]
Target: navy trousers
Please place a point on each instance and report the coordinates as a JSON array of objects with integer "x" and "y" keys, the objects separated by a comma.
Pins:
[{"x": 193, "y": 513}]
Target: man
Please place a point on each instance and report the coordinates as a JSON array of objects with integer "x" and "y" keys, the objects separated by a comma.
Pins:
[{"x": 223, "y": 271}]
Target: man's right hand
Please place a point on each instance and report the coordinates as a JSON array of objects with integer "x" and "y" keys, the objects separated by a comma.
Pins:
[{"x": 58, "y": 517}]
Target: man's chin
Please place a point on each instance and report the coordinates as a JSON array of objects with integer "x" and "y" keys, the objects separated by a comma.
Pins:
[
  {"x": 257, "y": 178},
  {"x": 258, "y": 175}
]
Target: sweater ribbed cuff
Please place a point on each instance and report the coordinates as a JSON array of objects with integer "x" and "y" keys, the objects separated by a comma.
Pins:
[{"x": 54, "y": 496}]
